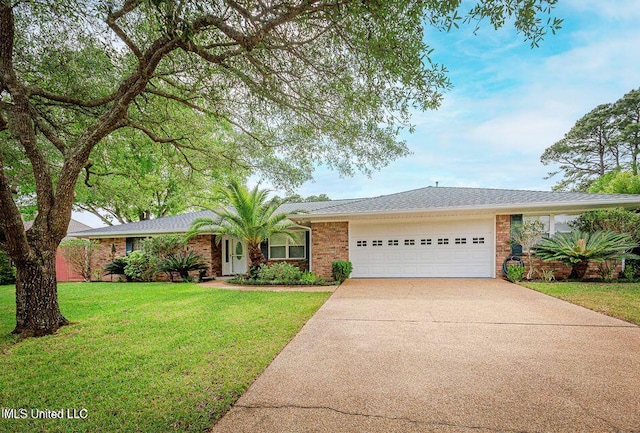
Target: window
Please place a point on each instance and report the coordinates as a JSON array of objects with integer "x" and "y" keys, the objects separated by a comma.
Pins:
[
  {"x": 553, "y": 223},
  {"x": 545, "y": 219},
  {"x": 361, "y": 243},
  {"x": 561, "y": 223},
  {"x": 285, "y": 247},
  {"x": 133, "y": 244},
  {"x": 409, "y": 241},
  {"x": 478, "y": 240},
  {"x": 443, "y": 241},
  {"x": 425, "y": 241},
  {"x": 392, "y": 242},
  {"x": 376, "y": 243},
  {"x": 461, "y": 241}
]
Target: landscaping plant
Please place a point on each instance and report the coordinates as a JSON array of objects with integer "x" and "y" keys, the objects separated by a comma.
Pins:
[
  {"x": 515, "y": 272},
  {"x": 252, "y": 218},
  {"x": 341, "y": 270},
  {"x": 78, "y": 253},
  {"x": 281, "y": 271},
  {"x": 527, "y": 234},
  {"x": 577, "y": 249},
  {"x": 181, "y": 263},
  {"x": 141, "y": 266}
]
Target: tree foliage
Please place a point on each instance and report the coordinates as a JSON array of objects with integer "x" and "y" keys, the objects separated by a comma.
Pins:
[
  {"x": 132, "y": 178},
  {"x": 576, "y": 249},
  {"x": 617, "y": 182},
  {"x": 604, "y": 140},
  {"x": 528, "y": 234},
  {"x": 618, "y": 220},
  {"x": 248, "y": 215},
  {"x": 297, "y": 83}
]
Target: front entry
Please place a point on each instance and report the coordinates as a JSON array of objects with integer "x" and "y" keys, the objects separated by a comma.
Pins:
[{"x": 234, "y": 256}]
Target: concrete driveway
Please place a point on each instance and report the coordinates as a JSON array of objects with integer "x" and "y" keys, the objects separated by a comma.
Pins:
[{"x": 431, "y": 355}]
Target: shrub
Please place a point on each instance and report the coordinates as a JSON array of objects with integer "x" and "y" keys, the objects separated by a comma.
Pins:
[
  {"x": 7, "y": 271},
  {"x": 116, "y": 267},
  {"x": 181, "y": 263},
  {"x": 547, "y": 275},
  {"x": 340, "y": 271},
  {"x": 616, "y": 220},
  {"x": 630, "y": 270},
  {"x": 163, "y": 246},
  {"x": 527, "y": 234},
  {"x": 141, "y": 266},
  {"x": 577, "y": 249},
  {"x": 78, "y": 253},
  {"x": 310, "y": 278},
  {"x": 515, "y": 272},
  {"x": 606, "y": 269},
  {"x": 281, "y": 271}
]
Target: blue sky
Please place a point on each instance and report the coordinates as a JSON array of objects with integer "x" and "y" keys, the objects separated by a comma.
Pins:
[{"x": 509, "y": 102}]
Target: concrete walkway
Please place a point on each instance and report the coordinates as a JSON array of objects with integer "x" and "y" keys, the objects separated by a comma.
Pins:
[{"x": 423, "y": 355}]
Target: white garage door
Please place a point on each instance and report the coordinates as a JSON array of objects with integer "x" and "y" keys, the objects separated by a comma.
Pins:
[{"x": 459, "y": 248}]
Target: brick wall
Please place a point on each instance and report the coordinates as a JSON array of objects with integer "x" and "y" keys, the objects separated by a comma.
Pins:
[
  {"x": 103, "y": 256},
  {"x": 329, "y": 243},
  {"x": 202, "y": 244},
  {"x": 503, "y": 242},
  {"x": 503, "y": 249}
]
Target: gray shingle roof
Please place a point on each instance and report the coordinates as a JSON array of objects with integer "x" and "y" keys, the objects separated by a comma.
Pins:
[
  {"x": 434, "y": 198},
  {"x": 418, "y": 200},
  {"x": 182, "y": 223}
]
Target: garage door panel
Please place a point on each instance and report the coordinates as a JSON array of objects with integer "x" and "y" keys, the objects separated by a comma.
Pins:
[{"x": 435, "y": 249}]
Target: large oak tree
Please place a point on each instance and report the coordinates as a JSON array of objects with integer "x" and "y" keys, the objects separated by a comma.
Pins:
[{"x": 298, "y": 82}]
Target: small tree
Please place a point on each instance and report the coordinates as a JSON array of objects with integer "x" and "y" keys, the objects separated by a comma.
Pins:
[
  {"x": 527, "y": 234},
  {"x": 577, "y": 249},
  {"x": 252, "y": 217},
  {"x": 79, "y": 253}
]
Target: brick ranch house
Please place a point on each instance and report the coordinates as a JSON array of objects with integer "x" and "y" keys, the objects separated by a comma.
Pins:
[{"x": 427, "y": 232}]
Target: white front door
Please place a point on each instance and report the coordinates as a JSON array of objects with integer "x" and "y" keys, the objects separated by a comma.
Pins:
[{"x": 234, "y": 256}]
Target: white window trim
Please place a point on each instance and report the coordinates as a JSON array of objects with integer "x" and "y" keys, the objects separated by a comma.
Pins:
[
  {"x": 288, "y": 242},
  {"x": 552, "y": 220}
]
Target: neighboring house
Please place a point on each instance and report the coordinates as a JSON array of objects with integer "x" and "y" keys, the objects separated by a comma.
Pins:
[
  {"x": 64, "y": 272},
  {"x": 427, "y": 232}
]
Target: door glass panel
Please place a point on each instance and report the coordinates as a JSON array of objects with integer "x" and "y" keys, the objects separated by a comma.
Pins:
[{"x": 239, "y": 250}]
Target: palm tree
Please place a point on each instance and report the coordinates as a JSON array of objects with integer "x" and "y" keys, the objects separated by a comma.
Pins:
[
  {"x": 577, "y": 249},
  {"x": 251, "y": 217}
]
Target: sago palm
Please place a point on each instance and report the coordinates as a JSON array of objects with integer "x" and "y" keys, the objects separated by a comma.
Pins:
[
  {"x": 577, "y": 249},
  {"x": 251, "y": 217}
]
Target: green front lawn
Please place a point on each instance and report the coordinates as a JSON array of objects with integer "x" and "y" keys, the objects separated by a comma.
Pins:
[
  {"x": 621, "y": 300},
  {"x": 145, "y": 357}
]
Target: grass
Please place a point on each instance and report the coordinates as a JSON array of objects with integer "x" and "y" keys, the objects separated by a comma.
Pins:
[
  {"x": 145, "y": 357},
  {"x": 620, "y": 300}
]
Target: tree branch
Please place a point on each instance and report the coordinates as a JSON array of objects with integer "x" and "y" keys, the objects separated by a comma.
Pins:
[
  {"x": 92, "y": 103},
  {"x": 128, "y": 6}
]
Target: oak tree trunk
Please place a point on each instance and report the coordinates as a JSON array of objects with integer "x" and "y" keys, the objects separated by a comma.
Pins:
[{"x": 37, "y": 309}]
